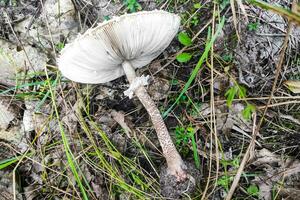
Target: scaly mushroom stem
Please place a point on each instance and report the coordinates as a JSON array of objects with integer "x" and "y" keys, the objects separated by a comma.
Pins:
[{"x": 175, "y": 164}]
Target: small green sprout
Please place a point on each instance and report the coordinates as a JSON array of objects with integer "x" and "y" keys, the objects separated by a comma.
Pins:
[
  {"x": 197, "y": 5},
  {"x": 225, "y": 181},
  {"x": 195, "y": 20},
  {"x": 234, "y": 91},
  {"x": 247, "y": 112},
  {"x": 184, "y": 39},
  {"x": 132, "y": 5},
  {"x": 253, "y": 26},
  {"x": 240, "y": 92},
  {"x": 183, "y": 137},
  {"x": 60, "y": 46},
  {"x": 183, "y": 57},
  {"x": 253, "y": 190},
  {"x": 227, "y": 57}
]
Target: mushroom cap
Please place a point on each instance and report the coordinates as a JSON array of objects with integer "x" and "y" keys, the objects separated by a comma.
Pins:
[{"x": 98, "y": 54}]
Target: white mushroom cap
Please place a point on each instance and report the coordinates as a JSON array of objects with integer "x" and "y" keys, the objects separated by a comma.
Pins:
[{"x": 98, "y": 54}]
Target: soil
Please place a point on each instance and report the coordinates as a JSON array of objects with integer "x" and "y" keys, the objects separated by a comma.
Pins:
[{"x": 173, "y": 189}]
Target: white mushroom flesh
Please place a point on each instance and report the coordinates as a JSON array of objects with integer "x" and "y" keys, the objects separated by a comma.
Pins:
[{"x": 97, "y": 55}]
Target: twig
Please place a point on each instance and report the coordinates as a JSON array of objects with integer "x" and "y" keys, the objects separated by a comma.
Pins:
[
  {"x": 213, "y": 128},
  {"x": 242, "y": 7},
  {"x": 234, "y": 19},
  {"x": 278, "y": 104},
  {"x": 261, "y": 98},
  {"x": 120, "y": 119},
  {"x": 244, "y": 161},
  {"x": 251, "y": 146}
]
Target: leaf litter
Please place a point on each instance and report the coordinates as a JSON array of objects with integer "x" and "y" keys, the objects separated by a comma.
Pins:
[{"x": 43, "y": 29}]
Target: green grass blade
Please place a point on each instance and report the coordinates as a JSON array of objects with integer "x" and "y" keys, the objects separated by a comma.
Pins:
[
  {"x": 195, "y": 152},
  {"x": 7, "y": 162},
  {"x": 23, "y": 86},
  {"x": 111, "y": 171},
  {"x": 277, "y": 9},
  {"x": 197, "y": 68},
  {"x": 70, "y": 157},
  {"x": 38, "y": 106}
]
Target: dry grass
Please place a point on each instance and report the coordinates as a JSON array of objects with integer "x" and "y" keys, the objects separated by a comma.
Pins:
[{"x": 81, "y": 152}]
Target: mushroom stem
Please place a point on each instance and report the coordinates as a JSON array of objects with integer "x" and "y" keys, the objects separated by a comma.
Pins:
[{"x": 175, "y": 164}]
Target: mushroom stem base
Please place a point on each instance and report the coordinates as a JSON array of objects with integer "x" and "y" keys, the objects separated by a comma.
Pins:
[{"x": 175, "y": 164}]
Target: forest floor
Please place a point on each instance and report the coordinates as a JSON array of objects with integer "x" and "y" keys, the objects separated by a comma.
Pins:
[{"x": 228, "y": 87}]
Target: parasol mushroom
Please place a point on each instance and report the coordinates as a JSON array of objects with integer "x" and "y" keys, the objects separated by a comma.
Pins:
[{"x": 117, "y": 47}]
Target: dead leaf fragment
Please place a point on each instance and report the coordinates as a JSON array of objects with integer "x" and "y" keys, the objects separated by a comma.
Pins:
[
  {"x": 57, "y": 19},
  {"x": 119, "y": 117},
  {"x": 5, "y": 116},
  {"x": 158, "y": 90},
  {"x": 6, "y": 186},
  {"x": 14, "y": 60},
  {"x": 293, "y": 86},
  {"x": 31, "y": 120},
  {"x": 277, "y": 170}
]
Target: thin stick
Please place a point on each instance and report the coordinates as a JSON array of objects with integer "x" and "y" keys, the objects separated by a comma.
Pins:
[
  {"x": 213, "y": 130},
  {"x": 234, "y": 19},
  {"x": 278, "y": 104},
  {"x": 244, "y": 161},
  {"x": 251, "y": 146},
  {"x": 261, "y": 98}
]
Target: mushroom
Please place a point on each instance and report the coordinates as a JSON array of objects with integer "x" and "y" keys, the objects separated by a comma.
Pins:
[{"x": 117, "y": 47}]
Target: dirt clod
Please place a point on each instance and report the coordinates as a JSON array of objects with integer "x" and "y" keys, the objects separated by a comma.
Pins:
[{"x": 170, "y": 188}]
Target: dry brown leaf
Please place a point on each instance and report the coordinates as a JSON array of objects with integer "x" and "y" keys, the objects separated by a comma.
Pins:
[{"x": 277, "y": 170}]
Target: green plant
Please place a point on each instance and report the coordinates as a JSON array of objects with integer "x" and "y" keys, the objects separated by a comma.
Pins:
[
  {"x": 227, "y": 57},
  {"x": 106, "y": 17},
  {"x": 233, "y": 91},
  {"x": 183, "y": 57},
  {"x": 210, "y": 41},
  {"x": 253, "y": 190},
  {"x": 185, "y": 40},
  {"x": 253, "y": 26},
  {"x": 195, "y": 21},
  {"x": 8, "y": 161},
  {"x": 183, "y": 100},
  {"x": 183, "y": 137},
  {"x": 225, "y": 181},
  {"x": 138, "y": 181},
  {"x": 72, "y": 162},
  {"x": 247, "y": 112},
  {"x": 174, "y": 82},
  {"x": 223, "y": 3},
  {"x": 239, "y": 91},
  {"x": 235, "y": 163},
  {"x": 132, "y": 5},
  {"x": 60, "y": 46},
  {"x": 197, "y": 5}
]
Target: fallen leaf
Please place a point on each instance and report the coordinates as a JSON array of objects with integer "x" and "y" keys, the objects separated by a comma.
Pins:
[
  {"x": 293, "y": 86},
  {"x": 277, "y": 169},
  {"x": 14, "y": 61}
]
